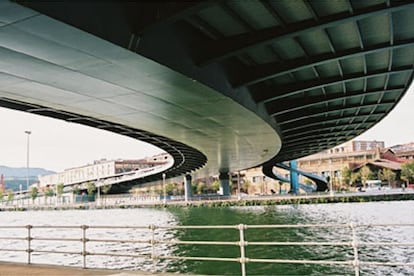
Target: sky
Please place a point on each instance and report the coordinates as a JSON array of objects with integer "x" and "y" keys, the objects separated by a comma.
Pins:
[
  {"x": 398, "y": 126},
  {"x": 57, "y": 145}
]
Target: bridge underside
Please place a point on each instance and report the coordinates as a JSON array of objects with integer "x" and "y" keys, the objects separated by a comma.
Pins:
[{"x": 221, "y": 85}]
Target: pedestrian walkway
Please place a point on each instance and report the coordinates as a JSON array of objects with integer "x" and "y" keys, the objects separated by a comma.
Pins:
[{"x": 16, "y": 269}]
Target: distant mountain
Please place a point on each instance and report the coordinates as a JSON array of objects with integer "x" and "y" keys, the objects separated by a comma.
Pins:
[
  {"x": 14, "y": 177},
  {"x": 15, "y": 173},
  {"x": 14, "y": 184}
]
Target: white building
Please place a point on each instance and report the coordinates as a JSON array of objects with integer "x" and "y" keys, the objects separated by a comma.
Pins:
[{"x": 101, "y": 169}]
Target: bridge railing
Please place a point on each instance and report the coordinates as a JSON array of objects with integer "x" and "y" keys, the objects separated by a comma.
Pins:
[{"x": 152, "y": 240}]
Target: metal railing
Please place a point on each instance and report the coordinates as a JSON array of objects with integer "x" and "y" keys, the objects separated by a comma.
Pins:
[{"x": 84, "y": 240}]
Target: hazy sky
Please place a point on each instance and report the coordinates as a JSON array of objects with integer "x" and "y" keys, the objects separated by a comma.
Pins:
[
  {"x": 57, "y": 145},
  {"x": 398, "y": 126}
]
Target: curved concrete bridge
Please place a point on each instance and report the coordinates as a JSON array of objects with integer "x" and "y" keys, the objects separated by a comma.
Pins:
[{"x": 220, "y": 85}]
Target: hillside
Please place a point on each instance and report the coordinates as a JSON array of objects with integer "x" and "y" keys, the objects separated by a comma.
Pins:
[
  {"x": 12, "y": 173},
  {"x": 13, "y": 177}
]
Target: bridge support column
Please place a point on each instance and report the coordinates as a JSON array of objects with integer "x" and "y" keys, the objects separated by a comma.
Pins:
[
  {"x": 187, "y": 187},
  {"x": 225, "y": 183},
  {"x": 294, "y": 181}
]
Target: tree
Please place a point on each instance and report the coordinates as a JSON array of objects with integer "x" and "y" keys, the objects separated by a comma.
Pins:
[
  {"x": 215, "y": 186},
  {"x": 355, "y": 178},
  {"x": 388, "y": 175},
  {"x": 48, "y": 193},
  {"x": 200, "y": 187},
  {"x": 179, "y": 188},
  {"x": 60, "y": 188},
  {"x": 366, "y": 174},
  {"x": 170, "y": 188},
  {"x": 91, "y": 188},
  {"x": 33, "y": 193},
  {"x": 346, "y": 175},
  {"x": 193, "y": 188},
  {"x": 105, "y": 190},
  {"x": 245, "y": 186},
  {"x": 76, "y": 190},
  {"x": 10, "y": 195},
  {"x": 407, "y": 172},
  {"x": 1, "y": 195}
]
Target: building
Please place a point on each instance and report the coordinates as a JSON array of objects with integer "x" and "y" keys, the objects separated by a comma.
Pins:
[
  {"x": 404, "y": 151},
  {"x": 101, "y": 169},
  {"x": 355, "y": 146},
  {"x": 2, "y": 186},
  {"x": 330, "y": 163}
]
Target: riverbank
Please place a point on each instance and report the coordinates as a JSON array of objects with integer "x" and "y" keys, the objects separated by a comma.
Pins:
[
  {"x": 10, "y": 268},
  {"x": 220, "y": 202}
]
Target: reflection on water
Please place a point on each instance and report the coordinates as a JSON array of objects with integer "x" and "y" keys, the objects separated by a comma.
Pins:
[
  {"x": 365, "y": 213},
  {"x": 362, "y": 213},
  {"x": 113, "y": 217}
]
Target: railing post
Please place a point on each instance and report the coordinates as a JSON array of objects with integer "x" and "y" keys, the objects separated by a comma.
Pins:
[
  {"x": 84, "y": 240},
  {"x": 29, "y": 239},
  {"x": 153, "y": 257},
  {"x": 242, "y": 243},
  {"x": 355, "y": 247}
]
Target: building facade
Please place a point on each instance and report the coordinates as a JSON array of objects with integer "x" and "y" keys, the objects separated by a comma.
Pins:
[
  {"x": 331, "y": 162},
  {"x": 328, "y": 164},
  {"x": 101, "y": 169}
]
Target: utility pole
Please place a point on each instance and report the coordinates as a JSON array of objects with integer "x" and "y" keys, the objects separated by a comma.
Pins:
[
  {"x": 163, "y": 187},
  {"x": 28, "y": 132}
]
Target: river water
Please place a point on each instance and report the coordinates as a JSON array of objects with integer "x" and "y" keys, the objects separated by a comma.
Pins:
[{"x": 359, "y": 213}]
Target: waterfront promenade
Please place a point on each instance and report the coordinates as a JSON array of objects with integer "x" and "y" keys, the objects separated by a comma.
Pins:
[
  {"x": 9, "y": 269},
  {"x": 130, "y": 201}
]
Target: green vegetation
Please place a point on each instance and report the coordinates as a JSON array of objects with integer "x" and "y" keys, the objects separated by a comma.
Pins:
[
  {"x": 215, "y": 186},
  {"x": 106, "y": 188},
  {"x": 34, "y": 193},
  {"x": 49, "y": 192},
  {"x": 76, "y": 190},
  {"x": 91, "y": 189},
  {"x": 346, "y": 176},
  {"x": 60, "y": 188},
  {"x": 245, "y": 186},
  {"x": 407, "y": 172},
  {"x": 10, "y": 195},
  {"x": 201, "y": 187},
  {"x": 366, "y": 174},
  {"x": 387, "y": 175}
]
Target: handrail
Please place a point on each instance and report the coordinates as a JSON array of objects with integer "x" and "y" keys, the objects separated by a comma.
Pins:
[{"x": 240, "y": 242}]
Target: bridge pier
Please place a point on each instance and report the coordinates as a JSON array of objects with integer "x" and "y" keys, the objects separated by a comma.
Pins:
[
  {"x": 294, "y": 179},
  {"x": 225, "y": 183},
  {"x": 187, "y": 187}
]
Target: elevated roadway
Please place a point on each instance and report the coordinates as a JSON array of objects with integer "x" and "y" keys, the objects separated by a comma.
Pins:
[{"x": 220, "y": 85}]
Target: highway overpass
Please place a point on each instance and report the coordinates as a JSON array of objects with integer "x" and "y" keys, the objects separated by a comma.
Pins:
[{"x": 220, "y": 85}]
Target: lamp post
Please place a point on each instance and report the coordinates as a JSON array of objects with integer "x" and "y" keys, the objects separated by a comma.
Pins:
[
  {"x": 331, "y": 192},
  {"x": 163, "y": 188},
  {"x": 27, "y": 159},
  {"x": 238, "y": 186}
]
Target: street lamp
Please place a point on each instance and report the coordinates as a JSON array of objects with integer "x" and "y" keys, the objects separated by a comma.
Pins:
[
  {"x": 27, "y": 159},
  {"x": 238, "y": 186},
  {"x": 331, "y": 192},
  {"x": 163, "y": 187}
]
